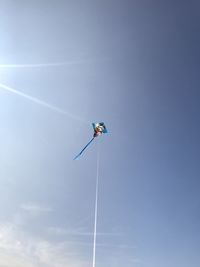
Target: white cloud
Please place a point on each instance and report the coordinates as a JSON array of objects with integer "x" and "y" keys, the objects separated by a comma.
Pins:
[
  {"x": 135, "y": 260},
  {"x": 18, "y": 249},
  {"x": 35, "y": 208},
  {"x": 21, "y": 248},
  {"x": 57, "y": 231},
  {"x": 78, "y": 232},
  {"x": 59, "y": 247}
]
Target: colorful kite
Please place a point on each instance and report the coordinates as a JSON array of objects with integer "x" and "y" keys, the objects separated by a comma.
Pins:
[{"x": 99, "y": 129}]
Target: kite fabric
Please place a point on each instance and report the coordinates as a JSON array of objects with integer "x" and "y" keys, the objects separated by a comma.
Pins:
[{"x": 99, "y": 129}]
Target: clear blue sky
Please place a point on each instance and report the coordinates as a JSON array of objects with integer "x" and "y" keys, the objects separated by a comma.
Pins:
[{"x": 135, "y": 66}]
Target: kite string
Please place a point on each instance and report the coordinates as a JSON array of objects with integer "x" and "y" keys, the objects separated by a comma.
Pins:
[{"x": 96, "y": 208}]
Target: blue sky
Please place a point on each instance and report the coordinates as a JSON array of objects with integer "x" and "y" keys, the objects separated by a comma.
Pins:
[{"x": 133, "y": 65}]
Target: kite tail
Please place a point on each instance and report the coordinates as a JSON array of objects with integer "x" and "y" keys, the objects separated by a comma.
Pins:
[{"x": 84, "y": 148}]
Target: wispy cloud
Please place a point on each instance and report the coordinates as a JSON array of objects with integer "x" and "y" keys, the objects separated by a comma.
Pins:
[
  {"x": 18, "y": 249},
  {"x": 135, "y": 260},
  {"x": 63, "y": 231},
  {"x": 42, "y": 65},
  {"x": 35, "y": 208},
  {"x": 54, "y": 64}
]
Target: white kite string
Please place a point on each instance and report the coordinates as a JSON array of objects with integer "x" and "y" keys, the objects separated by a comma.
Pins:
[{"x": 96, "y": 209}]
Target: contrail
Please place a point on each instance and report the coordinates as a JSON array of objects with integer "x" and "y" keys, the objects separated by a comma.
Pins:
[
  {"x": 40, "y": 102},
  {"x": 96, "y": 210},
  {"x": 90, "y": 234},
  {"x": 54, "y": 64},
  {"x": 41, "y": 65}
]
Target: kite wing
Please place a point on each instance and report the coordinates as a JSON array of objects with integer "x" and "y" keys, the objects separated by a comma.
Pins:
[{"x": 84, "y": 149}]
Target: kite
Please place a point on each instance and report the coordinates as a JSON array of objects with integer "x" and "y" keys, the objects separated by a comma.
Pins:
[{"x": 99, "y": 129}]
